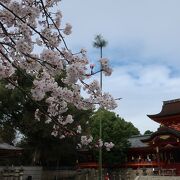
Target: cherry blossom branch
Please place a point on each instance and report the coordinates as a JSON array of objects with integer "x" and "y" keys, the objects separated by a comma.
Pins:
[
  {"x": 30, "y": 44},
  {"x": 8, "y": 44},
  {"x": 42, "y": 37},
  {"x": 48, "y": 15},
  {"x": 44, "y": 112},
  {"x": 30, "y": 98}
]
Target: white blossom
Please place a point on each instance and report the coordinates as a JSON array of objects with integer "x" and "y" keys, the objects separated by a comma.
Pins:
[
  {"x": 86, "y": 140},
  {"x": 79, "y": 129},
  {"x": 108, "y": 146},
  {"x": 105, "y": 66},
  {"x": 34, "y": 45},
  {"x": 36, "y": 115},
  {"x": 5, "y": 1},
  {"x": 68, "y": 29},
  {"x": 54, "y": 133},
  {"x": 99, "y": 143},
  {"x": 6, "y": 70},
  {"x": 10, "y": 86},
  {"x": 62, "y": 137}
]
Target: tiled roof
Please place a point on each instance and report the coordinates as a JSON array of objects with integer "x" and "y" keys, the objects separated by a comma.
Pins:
[
  {"x": 5, "y": 146},
  {"x": 169, "y": 108},
  {"x": 136, "y": 142},
  {"x": 163, "y": 131}
]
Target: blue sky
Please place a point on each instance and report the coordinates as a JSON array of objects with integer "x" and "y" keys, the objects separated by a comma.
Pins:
[{"x": 143, "y": 48}]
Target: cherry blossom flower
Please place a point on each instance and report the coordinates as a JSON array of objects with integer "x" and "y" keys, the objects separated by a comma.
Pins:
[
  {"x": 68, "y": 29},
  {"x": 86, "y": 140},
  {"x": 99, "y": 143},
  {"x": 108, "y": 146},
  {"x": 32, "y": 41},
  {"x": 105, "y": 66},
  {"x": 79, "y": 129}
]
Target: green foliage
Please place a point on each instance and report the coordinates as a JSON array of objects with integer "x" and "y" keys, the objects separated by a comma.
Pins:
[
  {"x": 17, "y": 113},
  {"x": 7, "y": 108},
  {"x": 114, "y": 129},
  {"x": 99, "y": 41},
  {"x": 44, "y": 149},
  {"x": 148, "y": 132}
]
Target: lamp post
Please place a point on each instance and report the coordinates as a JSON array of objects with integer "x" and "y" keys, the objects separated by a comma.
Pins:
[{"x": 100, "y": 43}]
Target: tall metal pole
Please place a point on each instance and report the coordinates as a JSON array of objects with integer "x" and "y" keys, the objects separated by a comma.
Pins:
[
  {"x": 100, "y": 43},
  {"x": 100, "y": 126},
  {"x": 101, "y": 68}
]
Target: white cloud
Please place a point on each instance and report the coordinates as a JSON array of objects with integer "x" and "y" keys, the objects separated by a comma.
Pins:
[
  {"x": 153, "y": 24},
  {"x": 142, "y": 94},
  {"x": 143, "y": 47}
]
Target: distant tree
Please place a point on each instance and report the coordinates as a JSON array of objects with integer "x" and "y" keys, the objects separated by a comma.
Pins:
[
  {"x": 99, "y": 42},
  {"x": 114, "y": 129},
  {"x": 7, "y": 129},
  {"x": 148, "y": 132}
]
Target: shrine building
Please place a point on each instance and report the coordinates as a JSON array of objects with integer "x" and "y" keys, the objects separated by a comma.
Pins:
[
  {"x": 8, "y": 153},
  {"x": 160, "y": 149}
]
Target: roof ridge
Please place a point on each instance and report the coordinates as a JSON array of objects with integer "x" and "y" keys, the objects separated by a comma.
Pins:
[
  {"x": 140, "y": 135},
  {"x": 171, "y": 101}
]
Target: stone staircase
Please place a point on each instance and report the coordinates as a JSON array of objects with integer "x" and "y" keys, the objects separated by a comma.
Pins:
[{"x": 157, "y": 178}]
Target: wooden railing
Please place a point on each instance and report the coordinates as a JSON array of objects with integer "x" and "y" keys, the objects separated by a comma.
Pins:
[
  {"x": 93, "y": 165},
  {"x": 167, "y": 167},
  {"x": 142, "y": 164}
]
